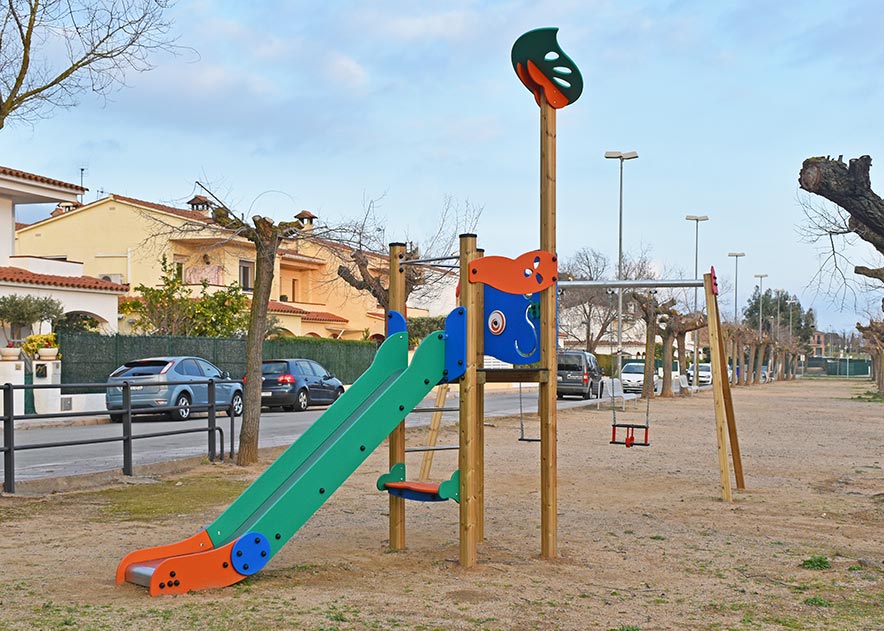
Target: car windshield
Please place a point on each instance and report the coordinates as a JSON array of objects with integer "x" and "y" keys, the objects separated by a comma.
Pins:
[
  {"x": 704, "y": 368},
  {"x": 141, "y": 368},
  {"x": 274, "y": 368},
  {"x": 571, "y": 362},
  {"x": 633, "y": 368}
]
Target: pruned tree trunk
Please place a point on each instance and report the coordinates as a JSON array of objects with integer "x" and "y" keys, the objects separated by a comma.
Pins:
[{"x": 749, "y": 377}]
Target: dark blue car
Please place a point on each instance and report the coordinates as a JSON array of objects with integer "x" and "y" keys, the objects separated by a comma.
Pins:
[{"x": 295, "y": 384}]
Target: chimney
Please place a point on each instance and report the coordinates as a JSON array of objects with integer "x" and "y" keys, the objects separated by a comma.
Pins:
[
  {"x": 306, "y": 218},
  {"x": 201, "y": 204}
]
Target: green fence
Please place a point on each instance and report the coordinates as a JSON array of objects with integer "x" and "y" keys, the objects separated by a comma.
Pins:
[{"x": 90, "y": 358}]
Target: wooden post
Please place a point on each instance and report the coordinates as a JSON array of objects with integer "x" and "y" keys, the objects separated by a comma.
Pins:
[
  {"x": 726, "y": 393},
  {"x": 548, "y": 336},
  {"x": 469, "y": 416},
  {"x": 718, "y": 389},
  {"x": 433, "y": 434},
  {"x": 480, "y": 409},
  {"x": 397, "y": 436}
]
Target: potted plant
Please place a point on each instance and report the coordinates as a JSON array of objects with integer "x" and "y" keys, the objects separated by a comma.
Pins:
[
  {"x": 10, "y": 352},
  {"x": 41, "y": 346}
]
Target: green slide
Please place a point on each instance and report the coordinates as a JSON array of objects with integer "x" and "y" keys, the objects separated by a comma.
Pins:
[{"x": 261, "y": 520}]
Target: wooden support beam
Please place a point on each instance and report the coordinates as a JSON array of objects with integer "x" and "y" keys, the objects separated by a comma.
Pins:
[
  {"x": 397, "y": 436},
  {"x": 718, "y": 388},
  {"x": 514, "y": 375},
  {"x": 547, "y": 396},
  {"x": 480, "y": 410},
  {"x": 469, "y": 413},
  {"x": 433, "y": 434}
]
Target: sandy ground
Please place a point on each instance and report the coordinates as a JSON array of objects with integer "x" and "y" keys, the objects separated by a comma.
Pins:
[{"x": 645, "y": 543}]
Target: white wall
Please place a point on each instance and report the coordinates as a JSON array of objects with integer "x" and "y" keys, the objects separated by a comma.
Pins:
[
  {"x": 7, "y": 230},
  {"x": 101, "y": 304}
]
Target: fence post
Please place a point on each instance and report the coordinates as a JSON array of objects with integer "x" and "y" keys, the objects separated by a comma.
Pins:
[
  {"x": 127, "y": 429},
  {"x": 8, "y": 439},
  {"x": 212, "y": 421}
]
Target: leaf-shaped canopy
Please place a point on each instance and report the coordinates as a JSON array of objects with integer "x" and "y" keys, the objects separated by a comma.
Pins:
[{"x": 543, "y": 67}]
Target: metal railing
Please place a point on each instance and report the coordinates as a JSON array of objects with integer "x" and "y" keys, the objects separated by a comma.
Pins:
[{"x": 126, "y": 412}]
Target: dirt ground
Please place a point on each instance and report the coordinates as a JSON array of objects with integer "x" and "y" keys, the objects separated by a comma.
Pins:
[{"x": 645, "y": 543}]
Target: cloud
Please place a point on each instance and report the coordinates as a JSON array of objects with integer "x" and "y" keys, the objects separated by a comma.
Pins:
[{"x": 346, "y": 71}]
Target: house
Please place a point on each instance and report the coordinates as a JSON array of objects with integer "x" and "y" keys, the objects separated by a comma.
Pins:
[
  {"x": 124, "y": 240},
  {"x": 59, "y": 278}
]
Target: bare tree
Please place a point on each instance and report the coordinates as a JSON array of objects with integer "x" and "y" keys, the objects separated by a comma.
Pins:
[
  {"x": 850, "y": 188},
  {"x": 363, "y": 260},
  {"x": 267, "y": 236},
  {"x": 51, "y": 51}
]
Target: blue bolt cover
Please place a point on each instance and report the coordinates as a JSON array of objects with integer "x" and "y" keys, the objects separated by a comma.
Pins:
[{"x": 251, "y": 545}]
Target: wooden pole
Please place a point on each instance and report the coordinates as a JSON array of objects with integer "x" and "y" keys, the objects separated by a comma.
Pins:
[
  {"x": 718, "y": 389},
  {"x": 480, "y": 409},
  {"x": 726, "y": 394},
  {"x": 469, "y": 417},
  {"x": 548, "y": 335},
  {"x": 397, "y": 436},
  {"x": 433, "y": 434}
]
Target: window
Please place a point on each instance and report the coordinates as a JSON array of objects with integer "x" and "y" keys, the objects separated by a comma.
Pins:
[
  {"x": 247, "y": 275},
  {"x": 188, "y": 367},
  {"x": 178, "y": 262},
  {"x": 304, "y": 368},
  {"x": 294, "y": 295},
  {"x": 210, "y": 370}
]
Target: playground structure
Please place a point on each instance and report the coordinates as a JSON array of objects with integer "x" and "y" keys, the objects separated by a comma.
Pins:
[{"x": 507, "y": 308}]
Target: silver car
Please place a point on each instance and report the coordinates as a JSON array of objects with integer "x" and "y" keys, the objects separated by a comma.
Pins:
[{"x": 150, "y": 386}]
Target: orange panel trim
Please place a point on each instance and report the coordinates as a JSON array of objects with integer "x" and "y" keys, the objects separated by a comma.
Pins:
[
  {"x": 197, "y": 543},
  {"x": 420, "y": 487},
  {"x": 193, "y": 572},
  {"x": 526, "y": 274},
  {"x": 554, "y": 96}
]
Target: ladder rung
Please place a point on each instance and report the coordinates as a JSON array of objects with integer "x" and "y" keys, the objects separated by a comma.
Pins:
[
  {"x": 630, "y": 426},
  {"x": 436, "y": 409}
]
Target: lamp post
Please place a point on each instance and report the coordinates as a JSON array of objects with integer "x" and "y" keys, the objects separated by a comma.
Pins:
[
  {"x": 760, "y": 278},
  {"x": 696, "y": 219},
  {"x": 619, "y": 155},
  {"x": 736, "y": 256}
]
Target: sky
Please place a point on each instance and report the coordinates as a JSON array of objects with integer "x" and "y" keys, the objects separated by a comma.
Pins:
[{"x": 282, "y": 106}]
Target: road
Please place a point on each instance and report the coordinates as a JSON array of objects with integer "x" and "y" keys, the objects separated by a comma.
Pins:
[{"x": 277, "y": 428}]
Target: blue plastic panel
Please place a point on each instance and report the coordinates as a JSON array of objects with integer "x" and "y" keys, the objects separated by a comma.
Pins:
[
  {"x": 455, "y": 345},
  {"x": 511, "y": 326},
  {"x": 395, "y": 323}
]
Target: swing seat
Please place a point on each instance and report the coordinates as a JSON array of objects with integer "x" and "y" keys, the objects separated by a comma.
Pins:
[
  {"x": 417, "y": 491},
  {"x": 395, "y": 483},
  {"x": 629, "y": 440}
]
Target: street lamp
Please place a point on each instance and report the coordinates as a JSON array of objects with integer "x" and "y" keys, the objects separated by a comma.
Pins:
[
  {"x": 736, "y": 256},
  {"x": 760, "y": 278},
  {"x": 790, "y": 302},
  {"x": 619, "y": 155},
  {"x": 696, "y": 219}
]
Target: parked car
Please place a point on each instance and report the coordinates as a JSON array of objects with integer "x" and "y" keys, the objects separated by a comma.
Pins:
[
  {"x": 149, "y": 387},
  {"x": 578, "y": 374},
  {"x": 295, "y": 384},
  {"x": 763, "y": 378},
  {"x": 704, "y": 376},
  {"x": 632, "y": 377}
]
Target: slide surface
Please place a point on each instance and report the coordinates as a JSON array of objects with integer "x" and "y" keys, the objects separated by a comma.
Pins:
[{"x": 261, "y": 520}]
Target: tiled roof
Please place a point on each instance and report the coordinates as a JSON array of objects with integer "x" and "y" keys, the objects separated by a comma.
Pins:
[
  {"x": 283, "y": 307},
  {"x": 187, "y": 214},
  {"x": 19, "y": 225},
  {"x": 322, "y": 316},
  {"x": 24, "y": 175},
  {"x": 19, "y": 275},
  {"x": 292, "y": 254},
  {"x": 305, "y": 214}
]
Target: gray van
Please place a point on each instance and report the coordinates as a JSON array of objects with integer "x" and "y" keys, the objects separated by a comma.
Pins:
[{"x": 578, "y": 374}]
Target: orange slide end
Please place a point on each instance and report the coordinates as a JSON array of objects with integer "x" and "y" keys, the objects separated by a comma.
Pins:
[
  {"x": 194, "y": 572},
  {"x": 200, "y": 542}
]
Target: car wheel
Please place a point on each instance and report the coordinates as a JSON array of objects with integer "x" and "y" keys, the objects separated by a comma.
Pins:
[
  {"x": 116, "y": 418},
  {"x": 236, "y": 405},
  {"x": 587, "y": 394},
  {"x": 559, "y": 395},
  {"x": 182, "y": 402},
  {"x": 302, "y": 401}
]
